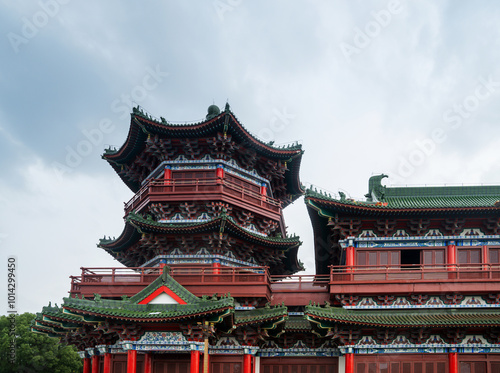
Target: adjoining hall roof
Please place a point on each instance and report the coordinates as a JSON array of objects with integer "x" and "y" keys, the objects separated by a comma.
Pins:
[
  {"x": 432, "y": 198},
  {"x": 453, "y": 317}
]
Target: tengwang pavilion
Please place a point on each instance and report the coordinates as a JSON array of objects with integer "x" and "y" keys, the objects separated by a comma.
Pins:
[{"x": 407, "y": 280}]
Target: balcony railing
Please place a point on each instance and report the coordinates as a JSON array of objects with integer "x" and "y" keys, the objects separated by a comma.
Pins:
[
  {"x": 298, "y": 289},
  {"x": 114, "y": 282},
  {"x": 414, "y": 273},
  {"x": 161, "y": 188}
]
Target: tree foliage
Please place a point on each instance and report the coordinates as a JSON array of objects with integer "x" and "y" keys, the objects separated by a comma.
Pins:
[{"x": 34, "y": 353}]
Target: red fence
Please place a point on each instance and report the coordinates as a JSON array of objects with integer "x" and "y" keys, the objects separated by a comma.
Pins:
[
  {"x": 414, "y": 273},
  {"x": 200, "y": 187}
]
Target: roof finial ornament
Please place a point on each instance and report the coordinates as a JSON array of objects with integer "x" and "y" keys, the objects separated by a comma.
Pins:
[
  {"x": 213, "y": 111},
  {"x": 165, "y": 272},
  {"x": 227, "y": 108}
]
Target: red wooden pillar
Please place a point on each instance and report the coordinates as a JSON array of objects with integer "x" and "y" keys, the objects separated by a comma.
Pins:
[
  {"x": 349, "y": 363},
  {"x": 148, "y": 366},
  {"x": 107, "y": 362},
  {"x": 86, "y": 365},
  {"x": 131, "y": 361},
  {"x": 95, "y": 363},
  {"x": 451, "y": 250},
  {"x": 486, "y": 261},
  {"x": 452, "y": 256},
  {"x": 247, "y": 363},
  {"x": 453, "y": 362},
  {"x": 195, "y": 362},
  {"x": 263, "y": 191},
  {"x": 219, "y": 173},
  {"x": 168, "y": 175},
  {"x": 216, "y": 267},
  {"x": 349, "y": 256}
]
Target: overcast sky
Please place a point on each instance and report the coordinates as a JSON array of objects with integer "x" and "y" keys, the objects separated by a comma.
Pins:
[{"x": 406, "y": 88}]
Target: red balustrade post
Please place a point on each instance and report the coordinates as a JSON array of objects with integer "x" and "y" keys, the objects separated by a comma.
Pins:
[
  {"x": 131, "y": 361},
  {"x": 453, "y": 362}
]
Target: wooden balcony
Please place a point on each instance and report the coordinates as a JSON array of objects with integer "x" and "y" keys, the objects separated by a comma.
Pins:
[
  {"x": 299, "y": 290},
  {"x": 204, "y": 189},
  {"x": 115, "y": 282},
  {"x": 445, "y": 278}
]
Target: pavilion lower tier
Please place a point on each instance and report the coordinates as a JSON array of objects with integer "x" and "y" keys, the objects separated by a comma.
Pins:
[{"x": 284, "y": 361}]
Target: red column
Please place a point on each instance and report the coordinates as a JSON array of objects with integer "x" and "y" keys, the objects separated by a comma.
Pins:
[
  {"x": 168, "y": 175},
  {"x": 195, "y": 362},
  {"x": 216, "y": 267},
  {"x": 452, "y": 259},
  {"x": 349, "y": 363},
  {"x": 247, "y": 363},
  {"x": 148, "y": 366},
  {"x": 349, "y": 258},
  {"x": 486, "y": 261},
  {"x": 452, "y": 256},
  {"x": 453, "y": 362},
  {"x": 86, "y": 365},
  {"x": 263, "y": 191},
  {"x": 131, "y": 361},
  {"x": 95, "y": 364},
  {"x": 107, "y": 363},
  {"x": 219, "y": 173}
]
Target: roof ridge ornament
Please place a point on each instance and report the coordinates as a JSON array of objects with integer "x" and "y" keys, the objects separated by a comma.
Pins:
[
  {"x": 212, "y": 112},
  {"x": 376, "y": 191}
]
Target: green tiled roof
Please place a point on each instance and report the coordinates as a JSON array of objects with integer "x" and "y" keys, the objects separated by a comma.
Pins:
[
  {"x": 149, "y": 225},
  {"x": 380, "y": 197},
  {"x": 445, "y": 317},
  {"x": 142, "y": 124},
  {"x": 151, "y": 312},
  {"x": 260, "y": 314},
  {"x": 130, "y": 309},
  {"x": 136, "y": 223},
  {"x": 297, "y": 323}
]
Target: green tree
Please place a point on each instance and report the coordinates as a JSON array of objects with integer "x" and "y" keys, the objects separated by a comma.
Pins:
[{"x": 34, "y": 352}]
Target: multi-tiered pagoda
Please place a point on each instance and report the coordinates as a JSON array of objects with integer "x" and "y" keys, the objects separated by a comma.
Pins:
[{"x": 407, "y": 280}]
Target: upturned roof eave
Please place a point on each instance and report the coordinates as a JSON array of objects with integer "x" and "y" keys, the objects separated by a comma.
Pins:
[
  {"x": 360, "y": 208},
  {"x": 135, "y": 223},
  {"x": 140, "y": 127},
  {"x": 413, "y": 318}
]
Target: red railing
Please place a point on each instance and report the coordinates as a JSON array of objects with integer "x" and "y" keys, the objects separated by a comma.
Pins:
[
  {"x": 300, "y": 283},
  {"x": 142, "y": 276},
  {"x": 414, "y": 273},
  {"x": 201, "y": 186}
]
